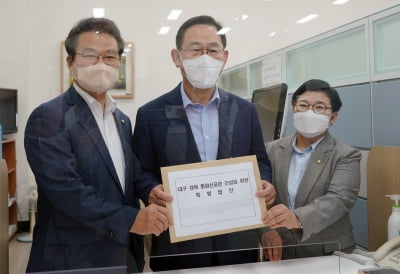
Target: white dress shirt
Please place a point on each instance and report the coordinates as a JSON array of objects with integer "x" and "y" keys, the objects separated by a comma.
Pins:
[{"x": 108, "y": 128}]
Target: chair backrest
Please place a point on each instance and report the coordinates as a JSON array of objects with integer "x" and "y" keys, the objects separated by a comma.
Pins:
[
  {"x": 383, "y": 177},
  {"x": 359, "y": 221},
  {"x": 4, "y": 239}
]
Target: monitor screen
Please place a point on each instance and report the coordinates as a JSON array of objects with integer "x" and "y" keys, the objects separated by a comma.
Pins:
[
  {"x": 270, "y": 104},
  {"x": 8, "y": 110}
]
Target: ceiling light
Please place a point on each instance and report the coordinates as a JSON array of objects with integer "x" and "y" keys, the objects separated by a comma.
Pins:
[
  {"x": 244, "y": 17},
  {"x": 174, "y": 14},
  {"x": 272, "y": 33},
  {"x": 98, "y": 12},
  {"x": 307, "y": 18},
  {"x": 163, "y": 30},
  {"x": 340, "y": 2},
  {"x": 223, "y": 30}
]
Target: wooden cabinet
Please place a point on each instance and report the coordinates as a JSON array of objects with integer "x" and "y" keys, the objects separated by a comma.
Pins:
[{"x": 9, "y": 154}]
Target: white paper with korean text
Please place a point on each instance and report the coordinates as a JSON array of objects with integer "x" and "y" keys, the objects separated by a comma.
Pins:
[{"x": 212, "y": 198}]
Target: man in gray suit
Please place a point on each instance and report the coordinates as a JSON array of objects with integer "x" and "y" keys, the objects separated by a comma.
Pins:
[{"x": 317, "y": 178}]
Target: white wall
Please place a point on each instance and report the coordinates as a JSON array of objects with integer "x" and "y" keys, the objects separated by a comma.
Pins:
[
  {"x": 14, "y": 73},
  {"x": 31, "y": 31}
]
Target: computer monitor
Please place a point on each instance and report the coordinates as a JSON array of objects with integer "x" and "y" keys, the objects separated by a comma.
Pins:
[
  {"x": 8, "y": 110},
  {"x": 270, "y": 105}
]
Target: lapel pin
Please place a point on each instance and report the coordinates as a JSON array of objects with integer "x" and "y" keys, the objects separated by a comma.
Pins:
[
  {"x": 319, "y": 161},
  {"x": 123, "y": 121}
]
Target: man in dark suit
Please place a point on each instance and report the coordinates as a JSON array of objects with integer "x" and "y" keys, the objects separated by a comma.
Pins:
[
  {"x": 197, "y": 122},
  {"x": 79, "y": 148}
]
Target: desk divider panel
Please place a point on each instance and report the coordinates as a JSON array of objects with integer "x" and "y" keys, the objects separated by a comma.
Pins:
[{"x": 385, "y": 109}]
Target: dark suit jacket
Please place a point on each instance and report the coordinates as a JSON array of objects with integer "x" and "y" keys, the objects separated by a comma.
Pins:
[
  {"x": 163, "y": 137},
  {"x": 327, "y": 192},
  {"x": 84, "y": 217}
]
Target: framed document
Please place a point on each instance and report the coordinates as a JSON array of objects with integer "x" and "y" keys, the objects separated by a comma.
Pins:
[{"x": 212, "y": 198}]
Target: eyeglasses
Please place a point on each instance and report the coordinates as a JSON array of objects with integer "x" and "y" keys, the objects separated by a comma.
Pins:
[
  {"x": 318, "y": 108},
  {"x": 215, "y": 52},
  {"x": 92, "y": 57}
]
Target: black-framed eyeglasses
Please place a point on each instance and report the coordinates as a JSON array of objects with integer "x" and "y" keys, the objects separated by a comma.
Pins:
[
  {"x": 215, "y": 52},
  {"x": 108, "y": 58},
  {"x": 318, "y": 108}
]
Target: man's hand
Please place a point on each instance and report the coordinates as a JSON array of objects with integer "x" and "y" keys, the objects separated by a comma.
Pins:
[
  {"x": 153, "y": 219},
  {"x": 268, "y": 193},
  {"x": 281, "y": 216},
  {"x": 272, "y": 245},
  {"x": 158, "y": 196}
]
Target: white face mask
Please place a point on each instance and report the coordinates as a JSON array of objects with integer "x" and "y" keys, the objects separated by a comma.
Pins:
[
  {"x": 97, "y": 78},
  {"x": 202, "y": 71},
  {"x": 310, "y": 124}
]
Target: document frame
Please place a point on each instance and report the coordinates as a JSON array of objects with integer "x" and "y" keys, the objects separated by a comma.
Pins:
[{"x": 213, "y": 198}]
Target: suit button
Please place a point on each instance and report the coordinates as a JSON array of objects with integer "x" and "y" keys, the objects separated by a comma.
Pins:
[{"x": 109, "y": 233}]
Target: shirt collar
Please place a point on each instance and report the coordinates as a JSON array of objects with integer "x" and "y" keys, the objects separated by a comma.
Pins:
[
  {"x": 186, "y": 100},
  {"x": 310, "y": 148},
  {"x": 111, "y": 104}
]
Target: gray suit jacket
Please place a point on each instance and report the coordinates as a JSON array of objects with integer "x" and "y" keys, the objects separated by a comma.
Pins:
[{"x": 326, "y": 194}]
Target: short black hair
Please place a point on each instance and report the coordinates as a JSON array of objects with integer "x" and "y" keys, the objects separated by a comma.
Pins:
[
  {"x": 319, "y": 86},
  {"x": 198, "y": 20},
  {"x": 101, "y": 25}
]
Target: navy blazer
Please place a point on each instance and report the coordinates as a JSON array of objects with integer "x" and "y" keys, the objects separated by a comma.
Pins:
[
  {"x": 163, "y": 137},
  {"x": 84, "y": 216}
]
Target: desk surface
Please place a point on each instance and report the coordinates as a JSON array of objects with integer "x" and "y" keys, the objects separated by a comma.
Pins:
[{"x": 316, "y": 265}]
